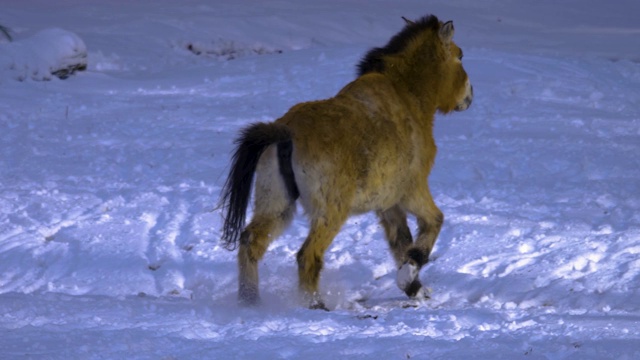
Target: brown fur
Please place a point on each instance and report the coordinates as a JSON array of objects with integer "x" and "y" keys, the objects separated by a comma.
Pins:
[{"x": 369, "y": 148}]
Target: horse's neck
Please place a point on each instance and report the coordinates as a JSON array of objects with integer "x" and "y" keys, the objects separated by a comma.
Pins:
[
  {"x": 376, "y": 89},
  {"x": 420, "y": 99}
]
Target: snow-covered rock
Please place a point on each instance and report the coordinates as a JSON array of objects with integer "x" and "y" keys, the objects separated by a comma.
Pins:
[{"x": 49, "y": 53}]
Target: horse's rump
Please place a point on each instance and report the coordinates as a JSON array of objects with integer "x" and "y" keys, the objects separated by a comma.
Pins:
[{"x": 236, "y": 192}]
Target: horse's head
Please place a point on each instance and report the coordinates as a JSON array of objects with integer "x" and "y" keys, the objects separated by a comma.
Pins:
[
  {"x": 424, "y": 58},
  {"x": 457, "y": 92}
]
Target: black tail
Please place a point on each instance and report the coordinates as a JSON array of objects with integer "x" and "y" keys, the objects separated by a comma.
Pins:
[{"x": 237, "y": 190}]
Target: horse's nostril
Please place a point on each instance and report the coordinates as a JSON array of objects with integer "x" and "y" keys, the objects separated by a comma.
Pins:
[
  {"x": 465, "y": 103},
  {"x": 469, "y": 99}
]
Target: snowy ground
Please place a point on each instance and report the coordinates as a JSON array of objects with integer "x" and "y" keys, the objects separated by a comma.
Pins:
[{"x": 109, "y": 179}]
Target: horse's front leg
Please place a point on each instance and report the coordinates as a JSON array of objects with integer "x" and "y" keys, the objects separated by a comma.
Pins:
[
  {"x": 397, "y": 232},
  {"x": 430, "y": 220}
]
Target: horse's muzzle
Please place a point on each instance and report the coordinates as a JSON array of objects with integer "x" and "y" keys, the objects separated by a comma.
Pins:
[{"x": 464, "y": 105}]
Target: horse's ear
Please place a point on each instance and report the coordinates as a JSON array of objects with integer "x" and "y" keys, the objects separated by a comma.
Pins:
[
  {"x": 446, "y": 31},
  {"x": 407, "y": 21}
]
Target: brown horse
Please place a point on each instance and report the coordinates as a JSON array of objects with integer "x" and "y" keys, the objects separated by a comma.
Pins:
[{"x": 370, "y": 147}]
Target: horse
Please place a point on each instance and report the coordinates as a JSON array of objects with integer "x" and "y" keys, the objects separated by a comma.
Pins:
[{"x": 368, "y": 148}]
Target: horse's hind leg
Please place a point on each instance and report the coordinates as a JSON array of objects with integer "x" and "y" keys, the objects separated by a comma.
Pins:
[
  {"x": 273, "y": 212},
  {"x": 311, "y": 256},
  {"x": 430, "y": 220},
  {"x": 254, "y": 241},
  {"x": 394, "y": 222}
]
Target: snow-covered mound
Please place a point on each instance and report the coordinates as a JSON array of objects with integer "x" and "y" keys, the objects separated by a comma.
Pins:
[{"x": 47, "y": 54}]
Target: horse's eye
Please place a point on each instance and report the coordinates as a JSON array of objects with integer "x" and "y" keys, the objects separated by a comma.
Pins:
[{"x": 460, "y": 56}]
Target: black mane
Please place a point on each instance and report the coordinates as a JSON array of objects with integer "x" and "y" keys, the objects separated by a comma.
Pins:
[{"x": 372, "y": 62}]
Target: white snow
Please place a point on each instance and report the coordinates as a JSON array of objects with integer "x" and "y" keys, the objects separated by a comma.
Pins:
[{"x": 109, "y": 180}]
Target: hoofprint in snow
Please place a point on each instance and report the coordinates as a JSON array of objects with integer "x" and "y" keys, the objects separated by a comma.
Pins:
[{"x": 109, "y": 234}]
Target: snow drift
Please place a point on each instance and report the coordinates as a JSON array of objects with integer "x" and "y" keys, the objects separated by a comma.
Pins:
[{"x": 48, "y": 53}]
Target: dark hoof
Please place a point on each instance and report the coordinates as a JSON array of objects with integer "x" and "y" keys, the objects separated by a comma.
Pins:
[
  {"x": 408, "y": 281},
  {"x": 413, "y": 289},
  {"x": 418, "y": 292},
  {"x": 248, "y": 297},
  {"x": 318, "y": 305},
  {"x": 315, "y": 302},
  {"x": 248, "y": 302}
]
